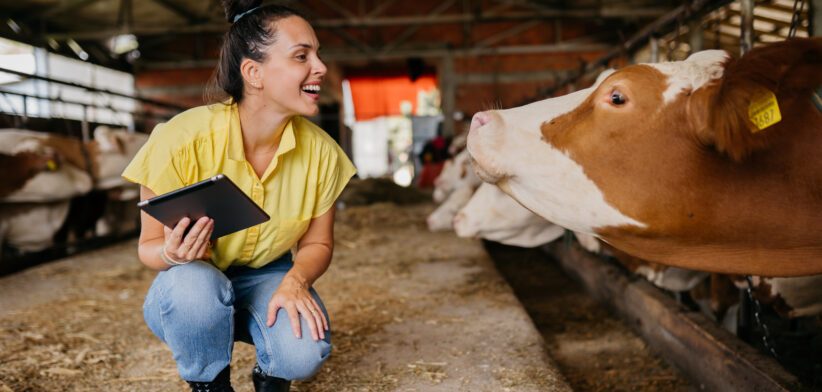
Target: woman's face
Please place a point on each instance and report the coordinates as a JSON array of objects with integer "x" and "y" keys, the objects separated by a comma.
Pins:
[{"x": 293, "y": 71}]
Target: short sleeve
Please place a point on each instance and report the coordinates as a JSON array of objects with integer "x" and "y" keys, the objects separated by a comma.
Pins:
[
  {"x": 157, "y": 166},
  {"x": 336, "y": 171}
]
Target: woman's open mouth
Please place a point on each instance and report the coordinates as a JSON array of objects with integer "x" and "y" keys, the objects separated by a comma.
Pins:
[{"x": 311, "y": 89}]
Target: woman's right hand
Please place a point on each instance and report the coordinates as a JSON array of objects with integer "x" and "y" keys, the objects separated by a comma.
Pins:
[{"x": 195, "y": 244}]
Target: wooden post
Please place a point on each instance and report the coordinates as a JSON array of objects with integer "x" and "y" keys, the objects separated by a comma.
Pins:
[
  {"x": 815, "y": 16},
  {"x": 654, "y": 49},
  {"x": 746, "y": 33},
  {"x": 447, "y": 82},
  {"x": 695, "y": 37}
]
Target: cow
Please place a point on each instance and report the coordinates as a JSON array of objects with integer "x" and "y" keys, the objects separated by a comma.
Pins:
[
  {"x": 790, "y": 297},
  {"x": 17, "y": 169},
  {"x": 116, "y": 149},
  {"x": 54, "y": 186},
  {"x": 456, "y": 172},
  {"x": 68, "y": 173},
  {"x": 681, "y": 163},
  {"x": 30, "y": 227},
  {"x": 495, "y": 216},
  {"x": 442, "y": 218}
]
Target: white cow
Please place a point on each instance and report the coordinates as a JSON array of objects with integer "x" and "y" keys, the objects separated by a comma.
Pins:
[
  {"x": 456, "y": 172},
  {"x": 30, "y": 227},
  {"x": 117, "y": 147},
  {"x": 493, "y": 215},
  {"x": 443, "y": 217}
]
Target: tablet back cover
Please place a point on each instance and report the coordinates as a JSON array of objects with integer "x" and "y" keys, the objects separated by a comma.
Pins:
[{"x": 216, "y": 197}]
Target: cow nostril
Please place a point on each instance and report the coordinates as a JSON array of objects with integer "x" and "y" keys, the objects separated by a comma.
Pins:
[
  {"x": 457, "y": 219},
  {"x": 479, "y": 120}
]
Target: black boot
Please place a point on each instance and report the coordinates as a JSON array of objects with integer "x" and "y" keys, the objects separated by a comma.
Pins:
[
  {"x": 264, "y": 383},
  {"x": 221, "y": 383}
]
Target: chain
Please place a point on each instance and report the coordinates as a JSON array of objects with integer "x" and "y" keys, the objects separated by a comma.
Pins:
[
  {"x": 796, "y": 18},
  {"x": 766, "y": 334}
]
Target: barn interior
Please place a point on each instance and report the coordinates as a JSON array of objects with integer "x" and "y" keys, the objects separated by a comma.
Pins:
[{"x": 414, "y": 306}]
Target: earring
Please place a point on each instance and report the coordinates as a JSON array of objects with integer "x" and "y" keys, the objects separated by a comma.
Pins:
[{"x": 255, "y": 85}]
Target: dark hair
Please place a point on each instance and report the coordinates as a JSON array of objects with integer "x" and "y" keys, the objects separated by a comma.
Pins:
[{"x": 246, "y": 38}]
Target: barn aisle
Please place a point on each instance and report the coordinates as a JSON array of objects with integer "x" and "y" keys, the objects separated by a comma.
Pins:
[{"x": 410, "y": 310}]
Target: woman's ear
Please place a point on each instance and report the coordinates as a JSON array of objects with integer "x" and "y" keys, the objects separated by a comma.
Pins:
[{"x": 250, "y": 70}]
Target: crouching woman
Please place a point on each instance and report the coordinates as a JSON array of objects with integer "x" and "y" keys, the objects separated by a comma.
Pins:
[{"x": 247, "y": 287}]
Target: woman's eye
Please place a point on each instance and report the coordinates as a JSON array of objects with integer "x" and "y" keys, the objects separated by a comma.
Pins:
[
  {"x": 302, "y": 56},
  {"x": 617, "y": 98}
]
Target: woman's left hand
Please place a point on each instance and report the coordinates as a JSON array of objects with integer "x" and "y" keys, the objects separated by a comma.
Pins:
[{"x": 295, "y": 298}]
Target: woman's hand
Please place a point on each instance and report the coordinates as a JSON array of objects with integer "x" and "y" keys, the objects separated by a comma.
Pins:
[
  {"x": 295, "y": 298},
  {"x": 195, "y": 244}
]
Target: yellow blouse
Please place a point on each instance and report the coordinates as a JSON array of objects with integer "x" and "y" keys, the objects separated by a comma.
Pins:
[{"x": 302, "y": 182}]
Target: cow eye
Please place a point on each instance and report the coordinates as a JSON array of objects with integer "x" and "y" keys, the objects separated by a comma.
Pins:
[{"x": 617, "y": 98}]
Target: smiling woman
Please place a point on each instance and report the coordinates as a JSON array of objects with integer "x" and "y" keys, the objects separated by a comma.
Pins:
[{"x": 247, "y": 286}]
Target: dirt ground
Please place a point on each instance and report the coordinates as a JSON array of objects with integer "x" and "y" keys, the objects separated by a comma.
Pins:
[
  {"x": 410, "y": 311},
  {"x": 595, "y": 350}
]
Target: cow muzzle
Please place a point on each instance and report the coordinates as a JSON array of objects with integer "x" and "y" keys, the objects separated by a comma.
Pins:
[{"x": 483, "y": 146}]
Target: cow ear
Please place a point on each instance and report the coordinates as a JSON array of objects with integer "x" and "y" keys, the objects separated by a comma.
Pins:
[
  {"x": 741, "y": 112},
  {"x": 720, "y": 117}
]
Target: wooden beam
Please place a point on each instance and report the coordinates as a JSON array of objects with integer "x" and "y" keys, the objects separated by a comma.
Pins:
[
  {"x": 746, "y": 29},
  {"x": 364, "y": 22},
  {"x": 704, "y": 352},
  {"x": 516, "y": 30},
  {"x": 340, "y": 9},
  {"x": 448, "y": 94},
  {"x": 361, "y": 46},
  {"x": 409, "y": 32},
  {"x": 64, "y": 7},
  {"x": 380, "y": 8},
  {"x": 179, "y": 10},
  {"x": 510, "y": 77},
  {"x": 345, "y": 54}
]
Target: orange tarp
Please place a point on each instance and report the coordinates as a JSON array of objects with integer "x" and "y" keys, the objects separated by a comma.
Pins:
[{"x": 381, "y": 96}]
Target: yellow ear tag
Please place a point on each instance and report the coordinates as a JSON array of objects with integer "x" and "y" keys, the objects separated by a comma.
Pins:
[
  {"x": 51, "y": 165},
  {"x": 764, "y": 110}
]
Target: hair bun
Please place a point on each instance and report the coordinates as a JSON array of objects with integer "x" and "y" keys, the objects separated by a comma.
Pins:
[{"x": 235, "y": 7}]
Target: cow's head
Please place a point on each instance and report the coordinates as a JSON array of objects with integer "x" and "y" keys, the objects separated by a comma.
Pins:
[{"x": 664, "y": 151}]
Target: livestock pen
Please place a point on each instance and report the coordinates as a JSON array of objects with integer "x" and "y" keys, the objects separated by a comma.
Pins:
[{"x": 525, "y": 268}]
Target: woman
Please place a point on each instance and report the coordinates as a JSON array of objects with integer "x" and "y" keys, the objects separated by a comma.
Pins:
[{"x": 247, "y": 288}]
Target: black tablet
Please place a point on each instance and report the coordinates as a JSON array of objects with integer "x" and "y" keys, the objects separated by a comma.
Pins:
[{"x": 216, "y": 197}]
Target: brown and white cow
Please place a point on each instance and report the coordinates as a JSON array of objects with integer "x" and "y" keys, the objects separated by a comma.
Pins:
[
  {"x": 65, "y": 177},
  {"x": 665, "y": 162}
]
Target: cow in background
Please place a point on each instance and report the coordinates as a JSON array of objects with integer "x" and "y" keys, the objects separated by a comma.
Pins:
[
  {"x": 57, "y": 188},
  {"x": 453, "y": 188},
  {"x": 61, "y": 172},
  {"x": 679, "y": 163},
  {"x": 457, "y": 172},
  {"x": 495, "y": 216},
  {"x": 117, "y": 147},
  {"x": 442, "y": 218},
  {"x": 39, "y": 177},
  {"x": 108, "y": 209}
]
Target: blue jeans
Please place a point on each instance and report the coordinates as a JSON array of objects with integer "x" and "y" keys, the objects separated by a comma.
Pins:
[{"x": 200, "y": 311}]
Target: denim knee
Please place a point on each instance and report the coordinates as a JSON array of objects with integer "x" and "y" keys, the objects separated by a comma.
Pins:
[
  {"x": 192, "y": 296},
  {"x": 282, "y": 355},
  {"x": 303, "y": 360}
]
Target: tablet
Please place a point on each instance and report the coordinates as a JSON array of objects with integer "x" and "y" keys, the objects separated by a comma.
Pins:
[{"x": 216, "y": 197}]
